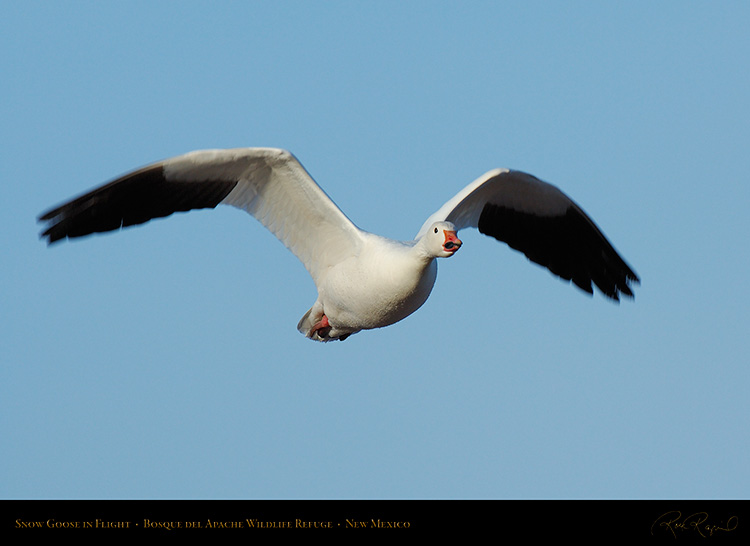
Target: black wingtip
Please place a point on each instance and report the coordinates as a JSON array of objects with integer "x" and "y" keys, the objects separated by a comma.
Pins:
[
  {"x": 132, "y": 199},
  {"x": 570, "y": 245}
]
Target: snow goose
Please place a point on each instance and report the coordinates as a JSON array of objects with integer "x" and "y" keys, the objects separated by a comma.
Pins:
[{"x": 364, "y": 281}]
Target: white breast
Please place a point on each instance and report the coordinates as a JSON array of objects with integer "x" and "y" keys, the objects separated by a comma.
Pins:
[{"x": 383, "y": 284}]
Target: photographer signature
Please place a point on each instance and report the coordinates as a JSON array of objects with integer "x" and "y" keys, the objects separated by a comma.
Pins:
[{"x": 698, "y": 522}]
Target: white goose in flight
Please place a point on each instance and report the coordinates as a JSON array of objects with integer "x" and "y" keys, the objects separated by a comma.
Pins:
[{"x": 364, "y": 281}]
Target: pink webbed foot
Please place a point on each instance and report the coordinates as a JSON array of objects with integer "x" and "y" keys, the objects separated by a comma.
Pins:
[{"x": 322, "y": 327}]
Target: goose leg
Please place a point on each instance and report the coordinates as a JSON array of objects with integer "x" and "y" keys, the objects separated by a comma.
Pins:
[{"x": 322, "y": 324}]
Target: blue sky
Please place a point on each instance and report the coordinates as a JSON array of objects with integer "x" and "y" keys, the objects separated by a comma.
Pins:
[{"x": 163, "y": 361}]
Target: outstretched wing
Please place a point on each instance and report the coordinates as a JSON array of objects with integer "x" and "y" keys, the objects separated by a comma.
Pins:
[
  {"x": 539, "y": 220},
  {"x": 268, "y": 183}
]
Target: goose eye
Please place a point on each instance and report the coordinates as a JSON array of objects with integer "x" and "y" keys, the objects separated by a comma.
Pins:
[{"x": 436, "y": 230}]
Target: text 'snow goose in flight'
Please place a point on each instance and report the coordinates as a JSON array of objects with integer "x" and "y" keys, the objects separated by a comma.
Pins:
[{"x": 364, "y": 281}]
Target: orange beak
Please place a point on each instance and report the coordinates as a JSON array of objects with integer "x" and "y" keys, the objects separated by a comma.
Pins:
[{"x": 452, "y": 243}]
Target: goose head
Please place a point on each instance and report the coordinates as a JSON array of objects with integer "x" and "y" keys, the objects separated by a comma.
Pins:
[{"x": 441, "y": 240}]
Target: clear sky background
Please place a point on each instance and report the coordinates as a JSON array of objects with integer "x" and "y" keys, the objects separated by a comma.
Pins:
[{"x": 163, "y": 361}]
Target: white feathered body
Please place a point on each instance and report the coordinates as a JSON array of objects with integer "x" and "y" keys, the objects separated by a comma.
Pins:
[{"x": 381, "y": 285}]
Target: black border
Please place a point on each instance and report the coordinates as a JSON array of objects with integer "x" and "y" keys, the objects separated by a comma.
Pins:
[{"x": 671, "y": 520}]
